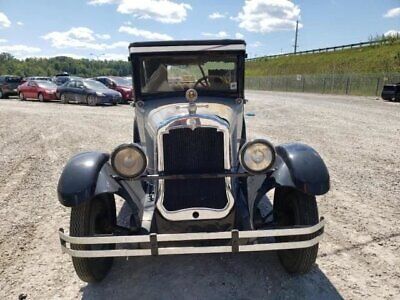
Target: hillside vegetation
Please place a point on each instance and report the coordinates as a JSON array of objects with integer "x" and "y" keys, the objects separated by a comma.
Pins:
[
  {"x": 373, "y": 59},
  {"x": 52, "y": 66}
]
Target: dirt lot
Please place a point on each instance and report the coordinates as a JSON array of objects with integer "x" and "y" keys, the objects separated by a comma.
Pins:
[{"x": 359, "y": 257}]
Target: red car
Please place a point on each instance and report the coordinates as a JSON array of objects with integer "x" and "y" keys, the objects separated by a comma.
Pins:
[
  {"x": 120, "y": 84},
  {"x": 37, "y": 89}
]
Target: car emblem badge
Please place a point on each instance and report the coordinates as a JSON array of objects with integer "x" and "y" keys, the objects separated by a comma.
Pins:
[{"x": 191, "y": 97}]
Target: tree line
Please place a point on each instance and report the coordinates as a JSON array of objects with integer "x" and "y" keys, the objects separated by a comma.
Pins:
[{"x": 9, "y": 65}]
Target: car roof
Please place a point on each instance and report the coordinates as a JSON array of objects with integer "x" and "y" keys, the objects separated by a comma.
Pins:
[{"x": 187, "y": 45}]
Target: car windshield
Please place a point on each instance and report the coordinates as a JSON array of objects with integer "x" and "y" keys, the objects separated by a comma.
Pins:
[
  {"x": 46, "y": 84},
  {"x": 216, "y": 72},
  {"x": 13, "y": 79},
  {"x": 122, "y": 81},
  {"x": 94, "y": 85}
]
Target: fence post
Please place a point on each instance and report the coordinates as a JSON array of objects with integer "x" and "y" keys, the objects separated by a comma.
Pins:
[
  {"x": 323, "y": 91},
  {"x": 304, "y": 82},
  {"x": 347, "y": 85},
  {"x": 377, "y": 86}
]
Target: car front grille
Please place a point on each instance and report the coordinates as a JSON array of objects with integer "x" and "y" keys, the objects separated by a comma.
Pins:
[{"x": 197, "y": 151}]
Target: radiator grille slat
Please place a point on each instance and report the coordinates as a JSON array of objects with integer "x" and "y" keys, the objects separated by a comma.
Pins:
[{"x": 188, "y": 151}]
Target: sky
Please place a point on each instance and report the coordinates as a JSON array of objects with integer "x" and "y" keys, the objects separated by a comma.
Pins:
[{"x": 103, "y": 29}]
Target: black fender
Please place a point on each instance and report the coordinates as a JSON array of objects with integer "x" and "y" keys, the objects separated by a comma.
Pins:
[
  {"x": 301, "y": 167},
  {"x": 298, "y": 166},
  {"x": 85, "y": 176}
]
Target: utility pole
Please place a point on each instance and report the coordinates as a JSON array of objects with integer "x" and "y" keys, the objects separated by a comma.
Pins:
[{"x": 295, "y": 37}]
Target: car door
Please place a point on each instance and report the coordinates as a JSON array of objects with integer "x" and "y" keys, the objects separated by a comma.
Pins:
[
  {"x": 80, "y": 94},
  {"x": 28, "y": 91},
  {"x": 69, "y": 90}
]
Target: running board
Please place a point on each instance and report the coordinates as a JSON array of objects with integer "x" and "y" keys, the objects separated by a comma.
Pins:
[{"x": 155, "y": 249}]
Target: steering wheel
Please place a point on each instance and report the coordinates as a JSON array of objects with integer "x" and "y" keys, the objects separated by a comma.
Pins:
[{"x": 203, "y": 81}]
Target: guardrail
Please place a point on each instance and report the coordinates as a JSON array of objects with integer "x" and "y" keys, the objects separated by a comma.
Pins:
[{"x": 329, "y": 49}]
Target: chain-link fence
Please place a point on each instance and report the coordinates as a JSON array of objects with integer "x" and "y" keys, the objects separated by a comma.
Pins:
[{"x": 347, "y": 84}]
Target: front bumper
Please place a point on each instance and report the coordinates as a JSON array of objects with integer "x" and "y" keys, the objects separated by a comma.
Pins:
[{"x": 235, "y": 238}]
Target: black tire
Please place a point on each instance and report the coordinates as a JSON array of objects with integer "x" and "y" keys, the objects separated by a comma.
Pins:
[
  {"x": 97, "y": 216},
  {"x": 2, "y": 95},
  {"x": 91, "y": 100},
  {"x": 292, "y": 207},
  {"x": 64, "y": 99}
]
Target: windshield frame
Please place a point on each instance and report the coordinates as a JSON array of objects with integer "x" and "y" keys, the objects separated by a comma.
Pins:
[{"x": 238, "y": 93}]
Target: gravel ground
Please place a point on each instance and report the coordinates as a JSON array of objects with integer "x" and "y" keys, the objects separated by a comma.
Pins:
[{"x": 359, "y": 257}]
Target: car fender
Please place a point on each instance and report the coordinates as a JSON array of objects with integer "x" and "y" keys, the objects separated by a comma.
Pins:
[
  {"x": 301, "y": 167},
  {"x": 83, "y": 177}
]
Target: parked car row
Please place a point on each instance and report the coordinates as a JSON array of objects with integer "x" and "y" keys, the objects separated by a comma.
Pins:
[{"x": 92, "y": 91}]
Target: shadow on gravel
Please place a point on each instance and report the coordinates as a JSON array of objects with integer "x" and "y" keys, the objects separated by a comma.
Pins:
[{"x": 207, "y": 276}]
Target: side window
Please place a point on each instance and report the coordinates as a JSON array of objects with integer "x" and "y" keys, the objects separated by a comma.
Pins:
[
  {"x": 109, "y": 83},
  {"x": 71, "y": 84},
  {"x": 79, "y": 84}
]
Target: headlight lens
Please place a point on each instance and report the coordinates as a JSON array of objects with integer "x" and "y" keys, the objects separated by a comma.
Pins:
[
  {"x": 257, "y": 156},
  {"x": 128, "y": 160}
]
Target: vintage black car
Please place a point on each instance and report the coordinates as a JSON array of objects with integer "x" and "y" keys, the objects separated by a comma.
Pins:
[
  {"x": 391, "y": 92},
  {"x": 87, "y": 91},
  {"x": 190, "y": 178}
]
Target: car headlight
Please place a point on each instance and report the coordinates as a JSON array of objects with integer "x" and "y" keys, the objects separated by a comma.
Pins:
[
  {"x": 99, "y": 94},
  {"x": 128, "y": 160},
  {"x": 257, "y": 156}
]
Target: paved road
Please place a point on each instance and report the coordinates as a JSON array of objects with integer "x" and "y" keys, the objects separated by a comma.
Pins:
[{"x": 359, "y": 257}]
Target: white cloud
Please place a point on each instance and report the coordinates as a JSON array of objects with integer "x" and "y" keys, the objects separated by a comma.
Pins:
[
  {"x": 20, "y": 51},
  {"x": 3, "y": 40},
  {"x": 80, "y": 37},
  {"x": 255, "y": 44},
  {"x": 238, "y": 35},
  {"x": 103, "y": 36},
  {"x": 4, "y": 20},
  {"x": 19, "y": 23},
  {"x": 217, "y": 15},
  {"x": 148, "y": 35},
  {"x": 220, "y": 35},
  {"x": 164, "y": 11},
  {"x": 394, "y": 33},
  {"x": 392, "y": 13},
  {"x": 268, "y": 15}
]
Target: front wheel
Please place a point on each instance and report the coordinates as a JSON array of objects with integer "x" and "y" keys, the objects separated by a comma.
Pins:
[
  {"x": 63, "y": 99},
  {"x": 91, "y": 100},
  {"x": 40, "y": 97},
  {"x": 294, "y": 208},
  {"x": 21, "y": 96},
  {"x": 94, "y": 217}
]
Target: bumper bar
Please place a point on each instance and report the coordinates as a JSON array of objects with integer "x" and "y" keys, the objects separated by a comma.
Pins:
[{"x": 155, "y": 249}]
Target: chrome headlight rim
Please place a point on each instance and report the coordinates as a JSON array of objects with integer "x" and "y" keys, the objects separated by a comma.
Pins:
[
  {"x": 250, "y": 143},
  {"x": 139, "y": 151}
]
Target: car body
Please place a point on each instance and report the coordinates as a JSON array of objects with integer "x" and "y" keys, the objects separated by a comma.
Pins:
[
  {"x": 62, "y": 78},
  {"x": 43, "y": 90},
  {"x": 391, "y": 92},
  {"x": 120, "y": 84},
  {"x": 191, "y": 179},
  {"x": 9, "y": 85},
  {"x": 87, "y": 91}
]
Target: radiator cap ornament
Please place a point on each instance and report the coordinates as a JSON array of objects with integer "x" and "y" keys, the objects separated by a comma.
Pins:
[{"x": 191, "y": 95}]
